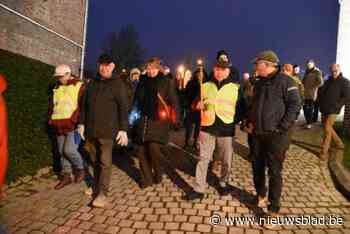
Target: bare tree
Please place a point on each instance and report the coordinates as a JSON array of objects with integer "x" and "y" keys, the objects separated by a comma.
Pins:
[{"x": 125, "y": 47}]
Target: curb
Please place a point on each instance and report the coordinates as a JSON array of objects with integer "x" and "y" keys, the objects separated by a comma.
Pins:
[{"x": 340, "y": 175}]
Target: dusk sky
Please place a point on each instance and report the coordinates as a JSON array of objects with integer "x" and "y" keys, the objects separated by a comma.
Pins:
[{"x": 295, "y": 30}]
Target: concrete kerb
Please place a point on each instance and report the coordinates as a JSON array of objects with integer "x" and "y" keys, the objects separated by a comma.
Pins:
[{"x": 340, "y": 175}]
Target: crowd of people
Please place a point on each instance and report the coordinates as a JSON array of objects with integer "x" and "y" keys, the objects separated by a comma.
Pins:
[{"x": 138, "y": 110}]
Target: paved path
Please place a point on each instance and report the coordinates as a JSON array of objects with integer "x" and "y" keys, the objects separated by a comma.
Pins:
[{"x": 36, "y": 208}]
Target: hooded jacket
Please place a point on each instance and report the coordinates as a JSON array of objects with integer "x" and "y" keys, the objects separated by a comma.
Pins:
[{"x": 3, "y": 132}]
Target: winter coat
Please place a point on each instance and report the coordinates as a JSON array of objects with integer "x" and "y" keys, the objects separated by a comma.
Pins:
[
  {"x": 104, "y": 109},
  {"x": 151, "y": 127},
  {"x": 333, "y": 95},
  {"x": 312, "y": 81},
  {"x": 275, "y": 104}
]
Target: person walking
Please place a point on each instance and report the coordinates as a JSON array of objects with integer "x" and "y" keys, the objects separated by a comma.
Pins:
[
  {"x": 103, "y": 120},
  {"x": 219, "y": 96},
  {"x": 312, "y": 81},
  {"x": 332, "y": 96},
  {"x": 64, "y": 111},
  {"x": 156, "y": 99}
]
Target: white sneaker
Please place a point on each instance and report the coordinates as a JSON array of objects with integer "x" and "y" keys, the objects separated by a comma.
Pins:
[
  {"x": 89, "y": 191},
  {"x": 100, "y": 201},
  {"x": 308, "y": 126}
]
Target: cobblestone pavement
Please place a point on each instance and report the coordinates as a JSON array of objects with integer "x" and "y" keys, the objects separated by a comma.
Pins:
[{"x": 36, "y": 207}]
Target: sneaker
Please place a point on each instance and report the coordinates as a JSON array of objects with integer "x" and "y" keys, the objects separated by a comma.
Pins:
[
  {"x": 224, "y": 191},
  {"x": 66, "y": 180},
  {"x": 262, "y": 201},
  {"x": 192, "y": 196},
  {"x": 308, "y": 126},
  {"x": 100, "y": 201}
]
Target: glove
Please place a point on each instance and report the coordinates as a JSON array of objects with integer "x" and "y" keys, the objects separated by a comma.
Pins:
[
  {"x": 122, "y": 138},
  {"x": 249, "y": 128},
  {"x": 81, "y": 130}
]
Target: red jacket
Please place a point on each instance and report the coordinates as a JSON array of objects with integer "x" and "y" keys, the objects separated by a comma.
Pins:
[
  {"x": 3, "y": 132},
  {"x": 63, "y": 126}
]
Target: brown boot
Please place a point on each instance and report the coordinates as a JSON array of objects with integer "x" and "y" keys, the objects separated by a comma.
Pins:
[
  {"x": 66, "y": 180},
  {"x": 79, "y": 176}
]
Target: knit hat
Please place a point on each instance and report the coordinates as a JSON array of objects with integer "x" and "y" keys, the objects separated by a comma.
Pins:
[
  {"x": 135, "y": 71},
  {"x": 267, "y": 55}
]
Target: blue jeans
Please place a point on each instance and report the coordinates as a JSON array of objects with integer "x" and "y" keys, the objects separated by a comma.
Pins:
[{"x": 70, "y": 156}]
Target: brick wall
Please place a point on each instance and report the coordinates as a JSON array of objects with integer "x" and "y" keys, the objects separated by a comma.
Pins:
[
  {"x": 66, "y": 17},
  {"x": 343, "y": 49}
]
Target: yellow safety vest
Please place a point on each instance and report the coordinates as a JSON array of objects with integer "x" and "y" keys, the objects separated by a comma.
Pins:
[
  {"x": 65, "y": 101},
  {"x": 221, "y": 103}
]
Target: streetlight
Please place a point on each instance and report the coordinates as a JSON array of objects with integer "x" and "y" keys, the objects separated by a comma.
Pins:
[
  {"x": 181, "y": 72},
  {"x": 181, "y": 69}
]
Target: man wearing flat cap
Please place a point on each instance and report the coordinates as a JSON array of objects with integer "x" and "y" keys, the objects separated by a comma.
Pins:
[
  {"x": 275, "y": 104},
  {"x": 103, "y": 120},
  {"x": 218, "y": 101}
]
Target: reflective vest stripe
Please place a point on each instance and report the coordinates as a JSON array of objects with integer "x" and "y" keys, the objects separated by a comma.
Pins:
[
  {"x": 220, "y": 103},
  {"x": 65, "y": 101}
]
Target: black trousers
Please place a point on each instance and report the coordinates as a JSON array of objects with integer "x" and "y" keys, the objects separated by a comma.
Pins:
[
  {"x": 269, "y": 152},
  {"x": 192, "y": 121},
  {"x": 150, "y": 156},
  {"x": 316, "y": 111},
  {"x": 309, "y": 109}
]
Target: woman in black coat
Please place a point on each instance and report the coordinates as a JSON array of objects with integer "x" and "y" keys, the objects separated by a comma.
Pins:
[{"x": 156, "y": 99}]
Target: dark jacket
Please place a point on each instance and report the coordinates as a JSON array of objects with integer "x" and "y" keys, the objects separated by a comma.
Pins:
[
  {"x": 333, "y": 95},
  {"x": 275, "y": 104},
  {"x": 150, "y": 127},
  {"x": 192, "y": 92},
  {"x": 104, "y": 109},
  {"x": 219, "y": 128}
]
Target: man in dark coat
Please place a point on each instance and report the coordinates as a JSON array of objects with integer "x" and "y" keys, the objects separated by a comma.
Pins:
[
  {"x": 274, "y": 107},
  {"x": 103, "y": 119},
  {"x": 332, "y": 96}
]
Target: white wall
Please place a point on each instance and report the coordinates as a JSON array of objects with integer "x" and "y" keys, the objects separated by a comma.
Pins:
[{"x": 343, "y": 44}]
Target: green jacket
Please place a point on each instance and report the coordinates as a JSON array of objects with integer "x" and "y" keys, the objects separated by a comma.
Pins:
[{"x": 312, "y": 81}]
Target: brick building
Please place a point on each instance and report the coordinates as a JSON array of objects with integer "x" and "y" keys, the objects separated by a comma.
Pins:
[
  {"x": 343, "y": 49},
  {"x": 51, "y": 31}
]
